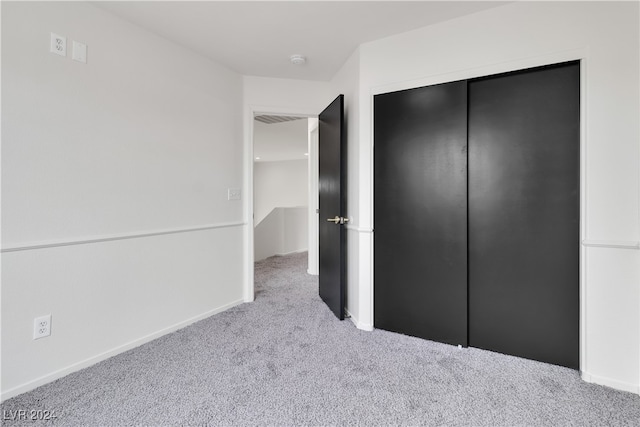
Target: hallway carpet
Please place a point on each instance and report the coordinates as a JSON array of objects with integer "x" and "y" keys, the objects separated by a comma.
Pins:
[{"x": 285, "y": 360}]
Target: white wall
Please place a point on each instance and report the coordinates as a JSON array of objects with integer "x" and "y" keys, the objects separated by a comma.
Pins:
[
  {"x": 269, "y": 95},
  {"x": 359, "y": 238},
  {"x": 280, "y": 141},
  {"x": 526, "y": 34},
  {"x": 143, "y": 139},
  {"x": 282, "y": 232},
  {"x": 281, "y": 193},
  {"x": 279, "y": 184}
]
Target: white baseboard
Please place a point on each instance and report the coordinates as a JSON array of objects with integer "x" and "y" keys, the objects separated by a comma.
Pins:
[
  {"x": 362, "y": 326},
  {"x": 618, "y": 385},
  {"x": 28, "y": 386},
  {"x": 297, "y": 251}
]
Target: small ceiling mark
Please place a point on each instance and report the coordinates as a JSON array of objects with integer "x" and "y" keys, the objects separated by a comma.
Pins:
[
  {"x": 298, "y": 59},
  {"x": 264, "y": 118}
]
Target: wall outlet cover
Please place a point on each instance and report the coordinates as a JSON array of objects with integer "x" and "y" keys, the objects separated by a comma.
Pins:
[
  {"x": 42, "y": 327},
  {"x": 58, "y": 44}
]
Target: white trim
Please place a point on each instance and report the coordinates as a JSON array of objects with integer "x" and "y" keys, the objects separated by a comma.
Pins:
[
  {"x": 638, "y": 212},
  {"x": 297, "y": 251},
  {"x": 578, "y": 54},
  {"x": 611, "y": 244},
  {"x": 313, "y": 215},
  {"x": 112, "y": 237},
  {"x": 583, "y": 253},
  {"x": 250, "y": 112},
  {"x": 619, "y": 385},
  {"x": 45, "y": 379},
  {"x": 248, "y": 255},
  {"x": 482, "y": 71},
  {"x": 358, "y": 229},
  {"x": 360, "y": 325}
]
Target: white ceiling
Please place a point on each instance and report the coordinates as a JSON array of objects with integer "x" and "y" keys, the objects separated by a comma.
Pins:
[{"x": 258, "y": 37}]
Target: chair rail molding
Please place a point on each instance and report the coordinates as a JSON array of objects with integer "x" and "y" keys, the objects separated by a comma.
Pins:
[
  {"x": 612, "y": 244},
  {"x": 121, "y": 236}
]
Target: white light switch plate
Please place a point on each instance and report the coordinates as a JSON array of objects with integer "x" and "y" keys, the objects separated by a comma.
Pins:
[
  {"x": 234, "y": 194},
  {"x": 58, "y": 44},
  {"x": 79, "y": 52}
]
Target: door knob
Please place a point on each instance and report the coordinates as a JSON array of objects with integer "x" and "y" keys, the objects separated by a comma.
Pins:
[{"x": 338, "y": 220}]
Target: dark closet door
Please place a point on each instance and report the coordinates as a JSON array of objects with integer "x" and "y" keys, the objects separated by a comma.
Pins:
[
  {"x": 420, "y": 203},
  {"x": 524, "y": 214}
]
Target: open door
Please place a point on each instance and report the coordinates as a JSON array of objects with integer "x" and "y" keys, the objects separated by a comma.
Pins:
[{"x": 332, "y": 191}]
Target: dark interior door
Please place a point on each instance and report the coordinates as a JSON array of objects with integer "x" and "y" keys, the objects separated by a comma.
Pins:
[
  {"x": 420, "y": 205},
  {"x": 332, "y": 203},
  {"x": 524, "y": 131}
]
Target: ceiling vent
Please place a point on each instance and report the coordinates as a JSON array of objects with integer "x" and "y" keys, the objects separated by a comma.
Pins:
[{"x": 264, "y": 118}]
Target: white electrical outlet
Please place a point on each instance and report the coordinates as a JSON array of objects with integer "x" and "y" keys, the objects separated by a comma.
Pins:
[
  {"x": 58, "y": 44},
  {"x": 42, "y": 327},
  {"x": 234, "y": 194}
]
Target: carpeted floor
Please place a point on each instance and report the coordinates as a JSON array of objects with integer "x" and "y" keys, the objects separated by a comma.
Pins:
[{"x": 286, "y": 360}]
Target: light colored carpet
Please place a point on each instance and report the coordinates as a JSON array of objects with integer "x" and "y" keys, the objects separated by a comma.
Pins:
[{"x": 286, "y": 360}]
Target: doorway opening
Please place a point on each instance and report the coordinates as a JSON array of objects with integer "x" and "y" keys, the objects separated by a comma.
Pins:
[{"x": 285, "y": 186}]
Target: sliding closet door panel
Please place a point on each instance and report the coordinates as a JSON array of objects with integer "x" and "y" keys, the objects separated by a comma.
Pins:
[
  {"x": 524, "y": 134},
  {"x": 420, "y": 209}
]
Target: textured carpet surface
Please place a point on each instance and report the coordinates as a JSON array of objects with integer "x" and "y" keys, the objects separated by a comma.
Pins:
[{"x": 286, "y": 360}]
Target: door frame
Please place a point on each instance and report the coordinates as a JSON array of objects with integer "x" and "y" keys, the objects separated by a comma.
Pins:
[
  {"x": 314, "y": 199},
  {"x": 248, "y": 290},
  {"x": 499, "y": 68}
]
